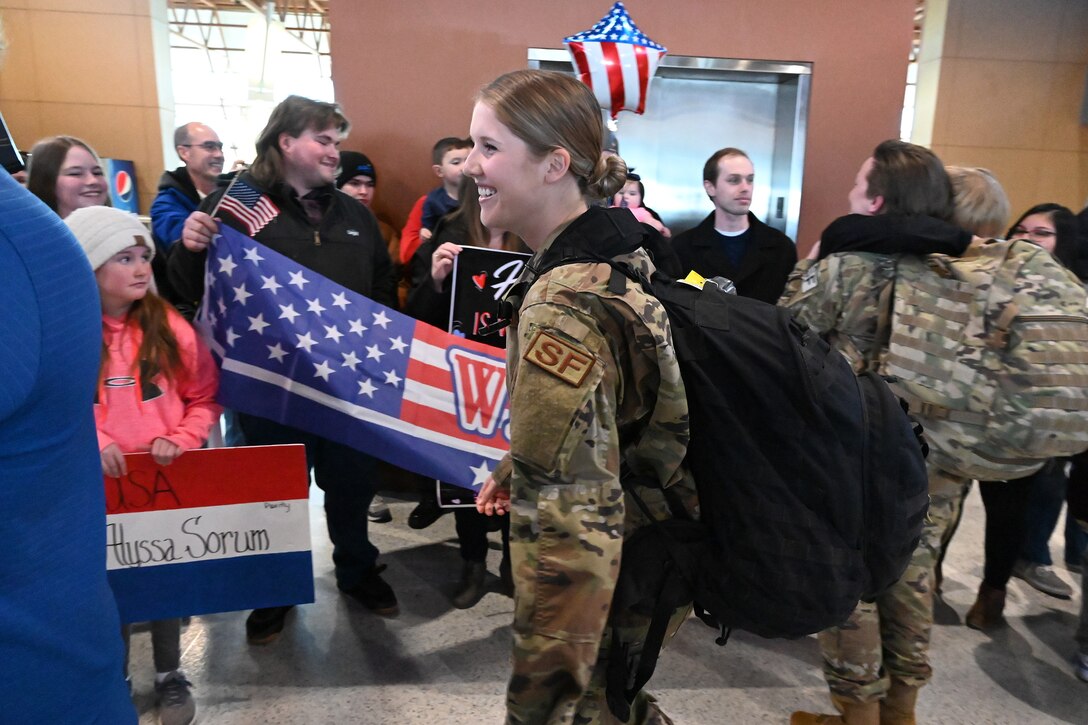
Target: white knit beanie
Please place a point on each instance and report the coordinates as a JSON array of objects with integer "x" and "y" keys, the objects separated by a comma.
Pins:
[{"x": 103, "y": 231}]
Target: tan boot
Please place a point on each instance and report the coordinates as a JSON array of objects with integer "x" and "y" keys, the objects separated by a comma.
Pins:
[
  {"x": 897, "y": 708},
  {"x": 853, "y": 713},
  {"x": 986, "y": 613}
]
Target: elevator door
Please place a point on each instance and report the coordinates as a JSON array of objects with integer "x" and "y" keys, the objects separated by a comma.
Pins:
[{"x": 698, "y": 105}]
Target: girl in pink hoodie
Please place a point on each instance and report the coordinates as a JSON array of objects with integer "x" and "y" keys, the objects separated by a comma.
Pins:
[{"x": 156, "y": 391}]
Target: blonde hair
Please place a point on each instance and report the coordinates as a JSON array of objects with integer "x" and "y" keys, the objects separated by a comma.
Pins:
[
  {"x": 550, "y": 110},
  {"x": 980, "y": 204}
]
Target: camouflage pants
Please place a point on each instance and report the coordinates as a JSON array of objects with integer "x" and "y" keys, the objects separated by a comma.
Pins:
[
  {"x": 592, "y": 707},
  {"x": 890, "y": 637}
]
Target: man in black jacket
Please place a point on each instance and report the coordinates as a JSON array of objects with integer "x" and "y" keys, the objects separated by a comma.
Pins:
[
  {"x": 731, "y": 242},
  {"x": 334, "y": 235}
]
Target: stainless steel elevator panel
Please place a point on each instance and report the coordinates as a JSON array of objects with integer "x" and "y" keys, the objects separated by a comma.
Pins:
[{"x": 698, "y": 105}]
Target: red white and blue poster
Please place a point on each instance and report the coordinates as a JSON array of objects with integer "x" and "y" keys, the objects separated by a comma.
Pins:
[
  {"x": 121, "y": 175},
  {"x": 217, "y": 530}
]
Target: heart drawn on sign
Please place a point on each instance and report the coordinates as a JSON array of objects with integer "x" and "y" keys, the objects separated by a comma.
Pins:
[{"x": 479, "y": 280}]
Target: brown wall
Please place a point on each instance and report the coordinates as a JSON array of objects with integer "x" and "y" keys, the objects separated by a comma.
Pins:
[
  {"x": 1000, "y": 85},
  {"x": 96, "y": 69},
  {"x": 405, "y": 73}
]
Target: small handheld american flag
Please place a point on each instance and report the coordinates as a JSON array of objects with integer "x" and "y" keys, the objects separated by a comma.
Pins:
[{"x": 248, "y": 205}]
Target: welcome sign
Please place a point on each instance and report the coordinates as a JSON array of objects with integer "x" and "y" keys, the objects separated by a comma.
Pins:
[{"x": 219, "y": 529}]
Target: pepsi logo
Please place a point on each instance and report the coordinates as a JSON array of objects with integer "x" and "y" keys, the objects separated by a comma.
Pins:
[{"x": 122, "y": 185}]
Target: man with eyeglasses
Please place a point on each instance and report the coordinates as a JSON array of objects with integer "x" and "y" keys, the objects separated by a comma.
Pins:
[{"x": 181, "y": 190}]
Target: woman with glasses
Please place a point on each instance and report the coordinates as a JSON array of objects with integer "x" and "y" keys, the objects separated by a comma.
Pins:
[{"x": 1054, "y": 228}]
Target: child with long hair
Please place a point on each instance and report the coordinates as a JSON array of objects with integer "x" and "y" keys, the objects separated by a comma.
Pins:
[{"x": 156, "y": 391}]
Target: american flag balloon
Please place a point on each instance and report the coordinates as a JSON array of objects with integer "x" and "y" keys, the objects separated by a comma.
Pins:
[{"x": 616, "y": 60}]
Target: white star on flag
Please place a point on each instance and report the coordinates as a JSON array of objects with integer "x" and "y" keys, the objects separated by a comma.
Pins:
[
  {"x": 253, "y": 255},
  {"x": 366, "y": 388},
  {"x": 357, "y": 327},
  {"x": 288, "y": 313},
  {"x": 305, "y": 341},
  {"x": 381, "y": 319},
  {"x": 240, "y": 294},
  {"x": 298, "y": 280},
  {"x": 231, "y": 336},
  {"x": 350, "y": 360},
  {"x": 373, "y": 353},
  {"x": 340, "y": 300},
  {"x": 323, "y": 371},
  {"x": 315, "y": 306},
  {"x": 270, "y": 283},
  {"x": 331, "y": 333},
  {"x": 276, "y": 351},
  {"x": 480, "y": 473},
  {"x": 227, "y": 265},
  {"x": 391, "y": 378},
  {"x": 398, "y": 344},
  {"x": 257, "y": 324}
]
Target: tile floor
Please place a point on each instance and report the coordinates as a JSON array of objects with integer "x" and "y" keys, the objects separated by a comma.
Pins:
[{"x": 435, "y": 665}]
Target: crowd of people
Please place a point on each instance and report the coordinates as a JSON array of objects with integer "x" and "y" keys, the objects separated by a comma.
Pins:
[{"x": 530, "y": 175}]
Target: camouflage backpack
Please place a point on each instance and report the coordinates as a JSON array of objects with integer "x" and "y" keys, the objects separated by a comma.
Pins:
[{"x": 990, "y": 350}]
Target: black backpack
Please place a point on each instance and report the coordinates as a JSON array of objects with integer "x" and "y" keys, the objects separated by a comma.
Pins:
[{"x": 811, "y": 480}]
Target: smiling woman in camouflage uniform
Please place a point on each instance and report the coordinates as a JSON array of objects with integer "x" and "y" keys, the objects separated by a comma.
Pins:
[{"x": 593, "y": 382}]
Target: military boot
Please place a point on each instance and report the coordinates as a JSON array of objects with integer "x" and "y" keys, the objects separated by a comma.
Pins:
[
  {"x": 986, "y": 613},
  {"x": 897, "y": 708},
  {"x": 853, "y": 713},
  {"x": 470, "y": 589}
]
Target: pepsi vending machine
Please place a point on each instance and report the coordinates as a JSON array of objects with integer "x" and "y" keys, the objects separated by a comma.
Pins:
[{"x": 121, "y": 174}]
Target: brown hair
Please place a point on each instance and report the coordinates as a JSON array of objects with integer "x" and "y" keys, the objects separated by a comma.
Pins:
[
  {"x": 158, "y": 353},
  {"x": 444, "y": 145},
  {"x": 911, "y": 179},
  {"x": 46, "y": 159},
  {"x": 293, "y": 116},
  {"x": 550, "y": 110},
  {"x": 710, "y": 168},
  {"x": 981, "y": 205}
]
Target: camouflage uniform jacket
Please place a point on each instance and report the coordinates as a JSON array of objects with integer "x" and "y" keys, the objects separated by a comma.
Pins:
[
  {"x": 839, "y": 295},
  {"x": 593, "y": 381}
]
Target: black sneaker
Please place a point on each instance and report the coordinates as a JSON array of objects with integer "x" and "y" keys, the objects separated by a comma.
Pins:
[
  {"x": 263, "y": 626},
  {"x": 176, "y": 706},
  {"x": 425, "y": 513},
  {"x": 374, "y": 593}
]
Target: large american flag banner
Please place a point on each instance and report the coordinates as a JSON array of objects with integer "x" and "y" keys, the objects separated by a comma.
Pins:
[
  {"x": 616, "y": 60},
  {"x": 304, "y": 351}
]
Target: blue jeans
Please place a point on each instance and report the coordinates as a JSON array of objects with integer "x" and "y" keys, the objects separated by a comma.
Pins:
[{"x": 1044, "y": 505}]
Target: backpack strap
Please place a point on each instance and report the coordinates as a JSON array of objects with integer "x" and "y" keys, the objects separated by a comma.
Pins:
[{"x": 624, "y": 678}]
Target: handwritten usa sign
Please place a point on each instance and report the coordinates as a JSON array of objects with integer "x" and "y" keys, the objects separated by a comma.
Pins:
[{"x": 217, "y": 530}]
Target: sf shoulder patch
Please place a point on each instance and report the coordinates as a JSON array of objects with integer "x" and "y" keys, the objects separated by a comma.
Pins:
[{"x": 560, "y": 358}]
